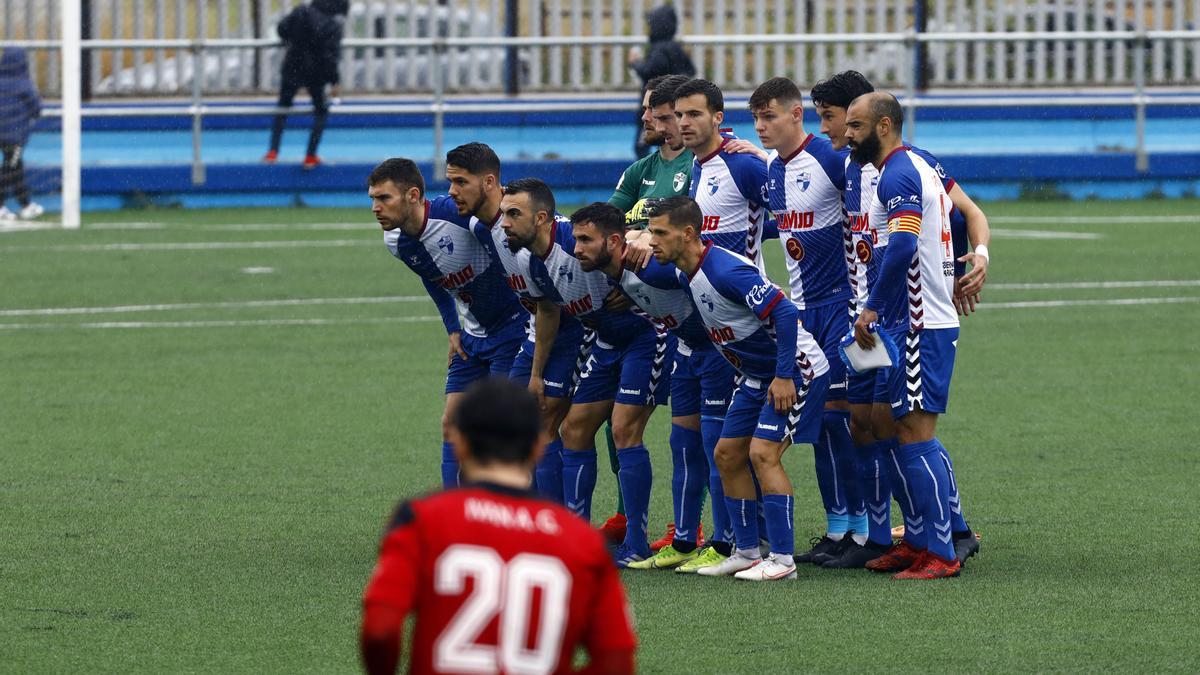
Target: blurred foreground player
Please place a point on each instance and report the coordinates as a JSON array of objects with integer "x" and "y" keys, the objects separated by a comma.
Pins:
[{"x": 500, "y": 581}]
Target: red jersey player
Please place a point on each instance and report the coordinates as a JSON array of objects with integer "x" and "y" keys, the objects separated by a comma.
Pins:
[{"x": 500, "y": 580}]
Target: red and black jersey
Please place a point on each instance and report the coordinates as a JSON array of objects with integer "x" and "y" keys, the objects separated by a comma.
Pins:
[{"x": 500, "y": 581}]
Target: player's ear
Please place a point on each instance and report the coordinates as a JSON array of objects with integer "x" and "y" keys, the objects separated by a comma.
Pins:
[
  {"x": 413, "y": 194},
  {"x": 719, "y": 117}
]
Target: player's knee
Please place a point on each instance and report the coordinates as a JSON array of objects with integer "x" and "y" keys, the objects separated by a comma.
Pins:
[
  {"x": 626, "y": 433},
  {"x": 860, "y": 430},
  {"x": 764, "y": 457},
  {"x": 727, "y": 458}
]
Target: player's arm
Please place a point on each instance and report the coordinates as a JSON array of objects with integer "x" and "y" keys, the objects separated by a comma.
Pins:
[
  {"x": 390, "y": 595},
  {"x": 626, "y": 193},
  {"x": 449, "y": 313},
  {"x": 546, "y": 320},
  {"x": 980, "y": 234},
  {"x": 751, "y": 180},
  {"x": 902, "y": 193},
  {"x": 786, "y": 319}
]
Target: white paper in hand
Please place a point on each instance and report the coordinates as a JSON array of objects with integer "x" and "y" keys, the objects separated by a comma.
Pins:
[{"x": 863, "y": 360}]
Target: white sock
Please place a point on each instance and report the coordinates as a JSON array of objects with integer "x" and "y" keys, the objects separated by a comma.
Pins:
[
  {"x": 835, "y": 537},
  {"x": 860, "y": 539},
  {"x": 751, "y": 553}
]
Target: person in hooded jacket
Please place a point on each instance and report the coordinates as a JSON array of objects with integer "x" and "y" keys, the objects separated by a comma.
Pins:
[
  {"x": 20, "y": 106},
  {"x": 665, "y": 57},
  {"x": 312, "y": 34}
]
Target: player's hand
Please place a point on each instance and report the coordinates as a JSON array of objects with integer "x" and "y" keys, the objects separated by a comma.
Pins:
[
  {"x": 782, "y": 394},
  {"x": 537, "y": 387},
  {"x": 616, "y": 301},
  {"x": 637, "y": 252},
  {"x": 862, "y": 328},
  {"x": 964, "y": 303},
  {"x": 972, "y": 281},
  {"x": 742, "y": 146},
  {"x": 456, "y": 348}
]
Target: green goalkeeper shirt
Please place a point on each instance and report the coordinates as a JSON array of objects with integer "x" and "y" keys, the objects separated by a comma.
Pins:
[{"x": 650, "y": 178}]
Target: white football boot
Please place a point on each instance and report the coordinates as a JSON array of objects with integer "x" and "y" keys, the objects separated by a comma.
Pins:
[
  {"x": 772, "y": 568},
  {"x": 33, "y": 210},
  {"x": 731, "y": 565}
]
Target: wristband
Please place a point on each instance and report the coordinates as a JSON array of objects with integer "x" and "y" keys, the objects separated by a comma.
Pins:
[{"x": 981, "y": 250}]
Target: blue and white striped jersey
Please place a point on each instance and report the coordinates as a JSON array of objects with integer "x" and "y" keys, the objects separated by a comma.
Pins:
[
  {"x": 731, "y": 191},
  {"x": 453, "y": 263},
  {"x": 735, "y": 301},
  {"x": 805, "y": 195},
  {"x": 865, "y": 248},
  {"x": 581, "y": 294},
  {"x": 518, "y": 276},
  {"x": 656, "y": 290}
]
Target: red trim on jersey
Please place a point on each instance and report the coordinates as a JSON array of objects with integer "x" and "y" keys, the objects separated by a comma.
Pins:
[
  {"x": 762, "y": 316},
  {"x": 799, "y": 150},
  {"x": 950, "y": 185},
  {"x": 901, "y": 148},
  {"x": 714, "y": 153},
  {"x": 495, "y": 218},
  {"x": 424, "y": 220},
  {"x": 707, "y": 248}
]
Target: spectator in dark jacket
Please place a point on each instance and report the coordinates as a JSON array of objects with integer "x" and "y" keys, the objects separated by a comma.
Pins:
[
  {"x": 666, "y": 57},
  {"x": 20, "y": 106},
  {"x": 312, "y": 34}
]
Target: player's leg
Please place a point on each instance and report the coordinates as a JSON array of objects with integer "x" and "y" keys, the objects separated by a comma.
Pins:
[
  {"x": 883, "y": 425},
  {"x": 460, "y": 374},
  {"x": 320, "y": 113},
  {"x": 578, "y": 431},
  {"x": 556, "y": 377},
  {"x": 614, "y": 527},
  {"x": 287, "y": 94},
  {"x": 7, "y": 168}
]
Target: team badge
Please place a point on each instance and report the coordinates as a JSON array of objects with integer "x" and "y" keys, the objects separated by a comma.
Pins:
[
  {"x": 679, "y": 181},
  {"x": 446, "y": 243},
  {"x": 707, "y": 301},
  {"x": 803, "y": 178},
  {"x": 713, "y": 184},
  {"x": 565, "y": 271}
]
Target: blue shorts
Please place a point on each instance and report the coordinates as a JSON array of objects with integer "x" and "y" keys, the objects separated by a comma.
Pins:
[
  {"x": 860, "y": 389},
  {"x": 636, "y": 374},
  {"x": 491, "y": 355},
  {"x": 751, "y": 414},
  {"x": 828, "y": 324},
  {"x": 929, "y": 355},
  {"x": 560, "y": 370},
  {"x": 701, "y": 382}
]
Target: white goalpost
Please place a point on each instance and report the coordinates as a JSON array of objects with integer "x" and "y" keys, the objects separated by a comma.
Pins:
[{"x": 72, "y": 76}]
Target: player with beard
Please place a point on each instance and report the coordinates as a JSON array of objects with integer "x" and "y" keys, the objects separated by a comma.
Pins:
[
  {"x": 701, "y": 384},
  {"x": 481, "y": 315},
  {"x": 911, "y": 302},
  {"x": 866, "y": 243},
  {"x": 665, "y": 173},
  {"x": 527, "y": 206}
]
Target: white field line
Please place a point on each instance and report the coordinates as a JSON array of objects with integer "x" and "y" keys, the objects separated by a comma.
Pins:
[
  {"x": 218, "y": 324},
  {"x": 1098, "y": 220},
  {"x": 296, "y": 302},
  {"x": 1042, "y": 304},
  {"x": 1043, "y": 234},
  {"x": 187, "y": 246},
  {"x": 1164, "y": 283}
]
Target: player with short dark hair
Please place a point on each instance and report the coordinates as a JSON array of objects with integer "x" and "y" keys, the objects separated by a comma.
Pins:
[
  {"x": 805, "y": 180},
  {"x": 499, "y": 580},
  {"x": 481, "y": 315},
  {"x": 701, "y": 384},
  {"x": 780, "y": 393}
]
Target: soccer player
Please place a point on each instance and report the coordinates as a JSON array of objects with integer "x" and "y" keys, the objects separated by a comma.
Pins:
[
  {"x": 780, "y": 394},
  {"x": 665, "y": 173},
  {"x": 911, "y": 301},
  {"x": 728, "y": 186},
  {"x": 805, "y": 180},
  {"x": 701, "y": 384},
  {"x": 527, "y": 206},
  {"x": 482, "y": 316},
  {"x": 499, "y": 580},
  {"x": 624, "y": 378},
  {"x": 866, "y": 244}
]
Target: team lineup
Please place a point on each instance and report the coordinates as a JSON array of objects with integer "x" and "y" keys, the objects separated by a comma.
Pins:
[{"x": 661, "y": 295}]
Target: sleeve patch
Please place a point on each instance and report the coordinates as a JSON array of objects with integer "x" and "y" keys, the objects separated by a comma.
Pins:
[{"x": 905, "y": 222}]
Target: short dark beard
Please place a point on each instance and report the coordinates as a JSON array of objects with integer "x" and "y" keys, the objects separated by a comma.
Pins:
[
  {"x": 866, "y": 150},
  {"x": 602, "y": 261},
  {"x": 516, "y": 243}
]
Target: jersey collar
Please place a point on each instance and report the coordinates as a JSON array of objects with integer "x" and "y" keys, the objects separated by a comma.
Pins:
[
  {"x": 714, "y": 153},
  {"x": 901, "y": 148},
  {"x": 700, "y": 261},
  {"x": 798, "y": 150},
  {"x": 504, "y": 489},
  {"x": 424, "y": 221}
]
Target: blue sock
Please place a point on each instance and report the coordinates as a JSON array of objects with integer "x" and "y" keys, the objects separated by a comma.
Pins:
[
  {"x": 914, "y": 522},
  {"x": 744, "y": 516},
  {"x": 689, "y": 476},
  {"x": 722, "y": 529},
  {"x": 837, "y": 424},
  {"x": 878, "y": 492},
  {"x": 958, "y": 523},
  {"x": 579, "y": 480},
  {"x": 449, "y": 466},
  {"x": 833, "y": 495},
  {"x": 549, "y": 472},
  {"x": 758, "y": 495},
  {"x": 636, "y": 478},
  {"x": 779, "y": 523},
  {"x": 927, "y": 477}
]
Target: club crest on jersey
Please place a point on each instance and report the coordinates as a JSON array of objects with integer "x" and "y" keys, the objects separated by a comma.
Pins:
[
  {"x": 446, "y": 243},
  {"x": 759, "y": 294},
  {"x": 679, "y": 181},
  {"x": 713, "y": 184},
  {"x": 804, "y": 179},
  {"x": 566, "y": 271},
  {"x": 704, "y": 298}
]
